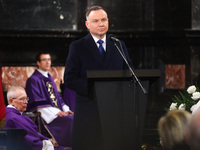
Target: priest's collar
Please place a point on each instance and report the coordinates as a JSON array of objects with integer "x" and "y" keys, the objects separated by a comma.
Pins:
[
  {"x": 11, "y": 106},
  {"x": 44, "y": 73}
]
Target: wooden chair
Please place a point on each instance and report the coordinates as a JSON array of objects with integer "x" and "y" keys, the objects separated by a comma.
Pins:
[{"x": 36, "y": 117}]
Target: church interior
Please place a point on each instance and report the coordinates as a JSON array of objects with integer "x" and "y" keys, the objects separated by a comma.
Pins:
[{"x": 162, "y": 36}]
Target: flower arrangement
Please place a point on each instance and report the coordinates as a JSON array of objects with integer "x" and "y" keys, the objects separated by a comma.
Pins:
[{"x": 186, "y": 99}]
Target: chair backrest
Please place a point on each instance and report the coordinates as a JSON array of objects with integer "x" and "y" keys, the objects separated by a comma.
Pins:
[{"x": 36, "y": 117}]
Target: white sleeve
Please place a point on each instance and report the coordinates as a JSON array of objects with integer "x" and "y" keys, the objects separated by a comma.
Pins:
[
  {"x": 49, "y": 113},
  {"x": 196, "y": 107},
  {"x": 65, "y": 108},
  {"x": 47, "y": 145}
]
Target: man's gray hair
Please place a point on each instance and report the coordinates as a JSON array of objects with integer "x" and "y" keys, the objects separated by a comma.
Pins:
[
  {"x": 12, "y": 92},
  {"x": 93, "y": 8}
]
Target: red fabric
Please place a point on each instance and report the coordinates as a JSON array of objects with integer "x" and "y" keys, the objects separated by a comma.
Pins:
[{"x": 2, "y": 103}]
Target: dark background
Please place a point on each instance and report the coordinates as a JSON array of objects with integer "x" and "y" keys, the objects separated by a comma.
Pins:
[{"x": 156, "y": 32}]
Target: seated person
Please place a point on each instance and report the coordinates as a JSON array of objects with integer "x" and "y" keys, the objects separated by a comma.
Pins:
[
  {"x": 44, "y": 97},
  {"x": 172, "y": 130},
  {"x": 17, "y": 100}
]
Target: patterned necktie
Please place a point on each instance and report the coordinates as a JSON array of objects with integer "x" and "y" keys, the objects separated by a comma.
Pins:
[{"x": 101, "y": 49}]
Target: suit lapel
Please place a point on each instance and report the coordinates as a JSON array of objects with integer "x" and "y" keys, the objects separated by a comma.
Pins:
[
  {"x": 109, "y": 51},
  {"x": 93, "y": 49}
]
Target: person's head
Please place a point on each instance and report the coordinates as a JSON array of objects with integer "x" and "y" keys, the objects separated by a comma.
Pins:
[
  {"x": 17, "y": 97},
  {"x": 97, "y": 21},
  {"x": 43, "y": 61},
  {"x": 172, "y": 128},
  {"x": 193, "y": 133}
]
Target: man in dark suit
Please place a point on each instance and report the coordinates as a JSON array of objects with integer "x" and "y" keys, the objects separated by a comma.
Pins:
[{"x": 85, "y": 54}]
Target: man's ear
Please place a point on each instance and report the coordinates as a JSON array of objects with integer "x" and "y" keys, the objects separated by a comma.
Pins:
[
  {"x": 10, "y": 101},
  {"x": 87, "y": 24},
  {"x": 38, "y": 63}
]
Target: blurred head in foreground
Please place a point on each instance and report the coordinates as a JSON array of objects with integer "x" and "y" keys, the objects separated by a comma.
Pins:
[{"x": 172, "y": 129}]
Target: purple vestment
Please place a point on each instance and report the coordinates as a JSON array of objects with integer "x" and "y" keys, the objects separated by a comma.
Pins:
[
  {"x": 33, "y": 139},
  {"x": 36, "y": 89}
]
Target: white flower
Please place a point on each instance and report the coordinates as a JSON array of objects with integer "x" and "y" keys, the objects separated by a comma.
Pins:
[
  {"x": 182, "y": 106},
  {"x": 192, "y": 108},
  {"x": 191, "y": 89},
  {"x": 195, "y": 95},
  {"x": 173, "y": 106}
]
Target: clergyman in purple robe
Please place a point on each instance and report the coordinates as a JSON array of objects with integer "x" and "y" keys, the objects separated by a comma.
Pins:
[
  {"x": 33, "y": 140},
  {"x": 44, "y": 98}
]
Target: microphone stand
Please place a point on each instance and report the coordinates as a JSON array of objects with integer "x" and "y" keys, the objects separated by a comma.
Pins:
[{"x": 130, "y": 68}]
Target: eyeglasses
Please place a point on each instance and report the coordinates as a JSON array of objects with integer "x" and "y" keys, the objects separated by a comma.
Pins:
[
  {"x": 45, "y": 60},
  {"x": 23, "y": 99}
]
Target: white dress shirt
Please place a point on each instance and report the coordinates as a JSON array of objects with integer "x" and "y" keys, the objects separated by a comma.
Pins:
[{"x": 103, "y": 44}]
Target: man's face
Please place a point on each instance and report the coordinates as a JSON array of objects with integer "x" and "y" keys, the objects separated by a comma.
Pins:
[
  {"x": 20, "y": 101},
  {"x": 45, "y": 62},
  {"x": 97, "y": 23}
]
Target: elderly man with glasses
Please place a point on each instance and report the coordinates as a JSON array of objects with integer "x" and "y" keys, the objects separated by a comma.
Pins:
[{"x": 18, "y": 100}]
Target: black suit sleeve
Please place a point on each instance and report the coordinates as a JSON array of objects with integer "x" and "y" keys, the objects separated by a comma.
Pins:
[{"x": 73, "y": 76}]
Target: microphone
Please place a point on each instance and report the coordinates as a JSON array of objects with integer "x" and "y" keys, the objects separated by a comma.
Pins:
[
  {"x": 121, "y": 51},
  {"x": 114, "y": 39}
]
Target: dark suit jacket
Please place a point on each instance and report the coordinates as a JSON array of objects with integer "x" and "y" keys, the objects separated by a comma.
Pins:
[{"x": 83, "y": 56}]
